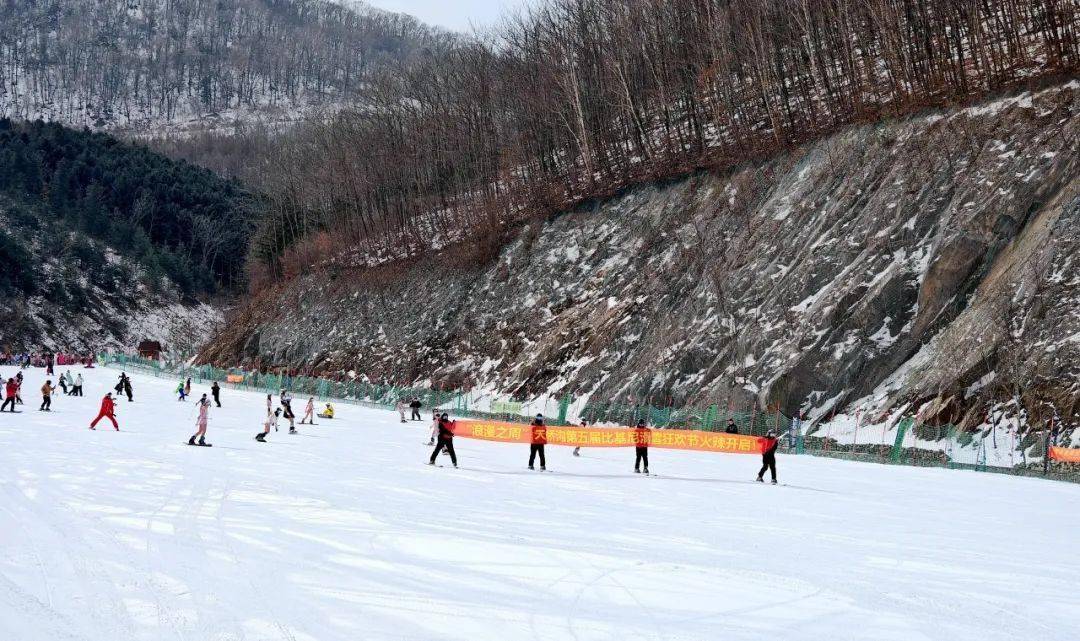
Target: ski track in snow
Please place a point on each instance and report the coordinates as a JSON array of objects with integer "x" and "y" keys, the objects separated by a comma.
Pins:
[{"x": 343, "y": 533}]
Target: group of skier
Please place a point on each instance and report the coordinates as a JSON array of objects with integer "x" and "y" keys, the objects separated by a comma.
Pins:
[
  {"x": 442, "y": 438},
  {"x": 442, "y": 432}
]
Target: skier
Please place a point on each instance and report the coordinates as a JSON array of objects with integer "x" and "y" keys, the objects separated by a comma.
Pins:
[
  {"x": 271, "y": 421},
  {"x": 63, "y": 384},
  {"x": 181, "y": 393},
  {"x": 108, "y": 410},
  {"x": 309, "y": 411},
  {"x": 400, "y": 407},
  {"x": 127, "y": 388},
  {"x": 731, "y": 428},
  {"x": 416, "y": 405},
  {"x": 49, "y": 365},
  {"x": 12, "y": 389},
  {"x": 204, "y": 416},
  {"x": 577, "y": 450},
  {"x": 434, "y": 426},
  {"x": 215, "y": 389},
  {"x": 446, "y": 440},
  {"x": 46, "y": 396},
  {"x": 286, "y": 405},
  {"x": 120, "y": 383},
  {"x": 187, "y": 387},
  {"x": 18, "y": 385},
  {"x": 641, "y": 437},
  {"x": 768, "y": 457},
  {"x": 539, "y": 438},
  {"x": 76, "y": 388},
  {"x": 327, "y": 413}
]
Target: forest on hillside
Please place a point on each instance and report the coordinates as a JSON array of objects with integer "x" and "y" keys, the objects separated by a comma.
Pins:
[
  {"x": 177, "y": 220},
  {"x": 141, "y": 63},
  {"x": 581, "y": 98}
]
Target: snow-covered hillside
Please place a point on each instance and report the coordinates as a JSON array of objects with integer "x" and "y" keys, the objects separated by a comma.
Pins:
[
  {"x": 922, "y": 263},
  {"x": 342, "y": 533}
]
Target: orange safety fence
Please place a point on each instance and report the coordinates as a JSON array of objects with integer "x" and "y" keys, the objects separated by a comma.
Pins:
[
  {"x": 1065, "y": 454},
  {"x": 610, "y": 437}
]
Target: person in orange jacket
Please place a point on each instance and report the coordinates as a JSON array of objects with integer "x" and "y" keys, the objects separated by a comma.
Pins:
[
  {"x": 12, "y": 391},
  {"x": 108, "y": 410},
  {"x": 446, "y": 440},
  {"x": 768, "y": 457}
]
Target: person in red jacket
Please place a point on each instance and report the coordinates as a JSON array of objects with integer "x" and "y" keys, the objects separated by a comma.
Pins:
[
  {"x": 446, "y": 440},
  {"x": 108, "y": 410},
  {"x": 539, "y": 439},
  {"x": 768, "y": 457},
  {"x": 12, "y": 389}
]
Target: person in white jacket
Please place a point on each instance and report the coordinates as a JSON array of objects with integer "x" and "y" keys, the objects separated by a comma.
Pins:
[{"x": 401, "y": 407}]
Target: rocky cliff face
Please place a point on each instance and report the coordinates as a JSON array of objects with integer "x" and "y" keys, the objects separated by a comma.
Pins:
[{"x": 935, "y": 257}]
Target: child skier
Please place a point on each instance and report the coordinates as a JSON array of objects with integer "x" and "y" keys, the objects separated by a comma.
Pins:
[
  {"x": 327, "y": 413},
  {"x": 46, "y": 396},
  {"x": 108, "y": 410},
  {"x": 768, "y": 457},
  {"x": 181, "y": 393},
  {"x": 641, "y": 437},
  {"x": 200, "y": 422},
  {"x": 446, "y": 440},
  {"x": 539, "y": 438},
  {"x": 309, "y": 411}
]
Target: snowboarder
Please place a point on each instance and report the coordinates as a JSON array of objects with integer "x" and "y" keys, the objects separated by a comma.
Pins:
[
  {"x": 12, "y": 389},
  {"x": 731, "y": 428},
  {"x": 446, "y": 440},
  {"x": 309, "y": 411},
  {"x": 768, "y": 457},
  {"x": 200, "y": 422},
  {"x": 416, "y": 405},
  {"x": 400, "y": 407},
  {"x": 327, "y": 413},
  {"x": 539, "y": 439},
  {"x": 181, "y": 392},
  {"x": 271, "y": 421},
  {"x": 641, "y": 450},
  {"x": 46, "y": 396},
  {"x": 76, "y": 388},
  {"x": 108, "y": 410},
  {"x": 577, "y": 450},
  {"x": 215, "y": 389}
]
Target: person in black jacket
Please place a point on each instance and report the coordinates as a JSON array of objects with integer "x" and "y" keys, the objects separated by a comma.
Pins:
[
  {"x": 446, "y": 440},
  {"x": 768, "y": 457},
  {"x": 416, "y": 405},
  {"x": 641, "y": 452},
  {"x": 539, "y": 438},
  {"x": 215, "y": 389},
  {"x": 731, "y": 428}
]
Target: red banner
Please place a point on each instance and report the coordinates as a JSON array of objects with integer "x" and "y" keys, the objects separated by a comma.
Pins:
[
  {"x": 1065, "y": 454},
  {"x": 610, "y": 437}
]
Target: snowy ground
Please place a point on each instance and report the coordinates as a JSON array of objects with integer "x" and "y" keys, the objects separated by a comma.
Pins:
[{"x": 342, "y": 533}]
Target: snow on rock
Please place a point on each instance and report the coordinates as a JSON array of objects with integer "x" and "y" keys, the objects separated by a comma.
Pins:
[{"x": 880, "y": 262}]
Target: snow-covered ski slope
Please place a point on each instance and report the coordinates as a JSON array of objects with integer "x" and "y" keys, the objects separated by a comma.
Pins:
[{"x": 342, "y": 533}]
